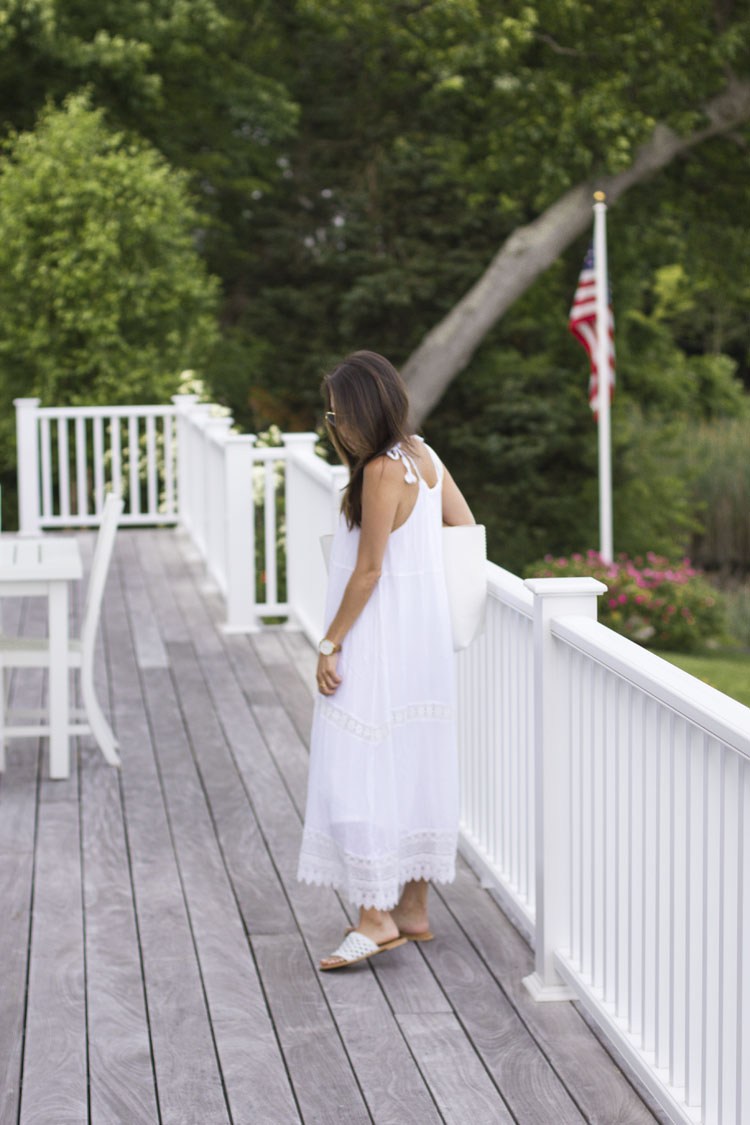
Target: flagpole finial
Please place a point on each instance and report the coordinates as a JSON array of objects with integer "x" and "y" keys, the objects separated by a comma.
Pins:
[{"x": 600, "y": 196}]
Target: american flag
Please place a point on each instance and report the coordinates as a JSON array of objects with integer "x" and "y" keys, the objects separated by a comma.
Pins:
[{"x": 582, "y": 324}]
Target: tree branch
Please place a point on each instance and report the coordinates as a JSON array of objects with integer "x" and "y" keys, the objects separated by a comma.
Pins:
[
  {"x": 556, "y": 47},
  {"x": 529, "y": 250}
]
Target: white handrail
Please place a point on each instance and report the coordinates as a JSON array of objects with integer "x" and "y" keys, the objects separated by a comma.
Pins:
[{"x": 714, "y": 712}]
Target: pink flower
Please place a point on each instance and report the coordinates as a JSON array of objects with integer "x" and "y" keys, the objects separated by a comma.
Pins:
[
  {"x": 685, "y": 612},
  {"x": 577, "y": 558},
  {"x": 622, "y": 599},
  {"x": 562, "y": 562},
  {"x": 639, "y": 598},
  {"x": 612, "y": 602},
  {"x": 671, "y": 609}
]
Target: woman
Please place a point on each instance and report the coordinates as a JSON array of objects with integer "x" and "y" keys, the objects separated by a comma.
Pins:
[{"x": 382, "y": 805}]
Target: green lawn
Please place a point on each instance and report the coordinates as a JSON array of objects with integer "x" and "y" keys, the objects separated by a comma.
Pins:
[{"x": 726, "y": 670}]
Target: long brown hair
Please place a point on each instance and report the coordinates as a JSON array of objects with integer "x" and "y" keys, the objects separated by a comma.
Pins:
[{"x": 371, "y": 405}]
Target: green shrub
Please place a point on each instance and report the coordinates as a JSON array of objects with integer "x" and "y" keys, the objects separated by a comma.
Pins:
[{"x": 655, "y": 602}]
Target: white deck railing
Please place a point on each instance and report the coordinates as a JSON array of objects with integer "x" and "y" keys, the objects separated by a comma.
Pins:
[
  {"x": 625, "y": 783},
  {"x": 68, "y": 455},
  {"x": 182, "y": 464},
  {"x": 657, "y": 847},
  {"x": 495, "y": 691},
  {"x": 605, "y": 794}
]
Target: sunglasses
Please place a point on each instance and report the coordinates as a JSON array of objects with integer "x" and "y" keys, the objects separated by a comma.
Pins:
[{"x": 330, "y": 417}]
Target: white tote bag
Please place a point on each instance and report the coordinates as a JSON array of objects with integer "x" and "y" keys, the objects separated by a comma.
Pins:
[{"x": 465, "y": 563}]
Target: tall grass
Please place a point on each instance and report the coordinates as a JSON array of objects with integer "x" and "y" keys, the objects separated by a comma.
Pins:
[{"x": 718, "y": 456}]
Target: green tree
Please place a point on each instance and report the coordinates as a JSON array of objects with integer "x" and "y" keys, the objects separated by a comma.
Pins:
[
  {"x": 193, "y": 77},
  {"x": 103, "y": 295}
]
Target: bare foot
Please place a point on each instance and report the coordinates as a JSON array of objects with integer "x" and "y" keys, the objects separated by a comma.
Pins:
[{"x": 411, "y": 920}]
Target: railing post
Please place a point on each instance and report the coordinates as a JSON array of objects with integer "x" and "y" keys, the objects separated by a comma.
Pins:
[
  {"x": 339, "y": 481},
  {"x": 553, "y": 597},
  {"x": 182, "y": 404},
  {"x": 27, "y": 460},
  {"x": 239, "y": 524},
  {"x": 296, "y": 548},
  {"x": 198, "y": 470},
  {"x": 217, "y": 486}
]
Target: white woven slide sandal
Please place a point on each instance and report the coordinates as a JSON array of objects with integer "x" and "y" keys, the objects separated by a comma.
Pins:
[{"x": 357, "y": 947}]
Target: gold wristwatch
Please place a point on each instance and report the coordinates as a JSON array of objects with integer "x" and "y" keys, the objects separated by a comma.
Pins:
[{"x": 327, "y": 648}]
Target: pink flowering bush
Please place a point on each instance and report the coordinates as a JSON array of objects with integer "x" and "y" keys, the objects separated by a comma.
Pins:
[{"x": 658, "y": 603}]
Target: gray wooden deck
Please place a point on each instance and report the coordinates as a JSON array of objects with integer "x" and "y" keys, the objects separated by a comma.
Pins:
[{"x": 158, "y": 955}]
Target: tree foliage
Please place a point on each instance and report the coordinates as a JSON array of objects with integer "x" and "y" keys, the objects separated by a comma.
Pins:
[
  {"x": 103, "y": 297},
  {"x": 357, "y": 164}
]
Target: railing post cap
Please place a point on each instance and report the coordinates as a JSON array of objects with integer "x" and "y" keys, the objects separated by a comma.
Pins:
[
  {"x": 300, "y": 438},
  {"x": 565, "y": 587},
  {"x": 241, "y": 439},
  {"x": 184, "y": 400},
  {"x": 26, "y": 401}
]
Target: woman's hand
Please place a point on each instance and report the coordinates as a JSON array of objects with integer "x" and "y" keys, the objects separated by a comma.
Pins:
[{"x": 326, "y": 675}]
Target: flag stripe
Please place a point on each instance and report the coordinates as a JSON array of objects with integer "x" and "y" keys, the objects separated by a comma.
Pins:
[{"x": 582, "y": 324}]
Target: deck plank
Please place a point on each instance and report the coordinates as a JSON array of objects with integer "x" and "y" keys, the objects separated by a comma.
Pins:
[
  {"x": 600, "y": 1089},
  {"x": 389, "y": 1079},
  {"x": 447, "y": 1058},
  {"x": 18, "y": 805},
  {"x": 531, "y": 1087},
  {"x": 54, "y": 1083},
  {"x": 187, "y": 1072},
  {"x": 252, "y": 1068},
  {"x": 121, "y": 1074},
  {"x": 202, "y": 999},
  {"x": 219, "y": 720},
  {"x": 54, "y": 1079},
  {"x": 122, "y": 1078}
]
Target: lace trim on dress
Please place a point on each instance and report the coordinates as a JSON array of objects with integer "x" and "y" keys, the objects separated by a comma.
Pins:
[
  {"x": 375, "y": 881},
  {"x": 414, "y": 712}
]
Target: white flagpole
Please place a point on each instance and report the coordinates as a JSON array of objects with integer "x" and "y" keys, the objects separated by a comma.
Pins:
[{"x": 602, "y": 367}]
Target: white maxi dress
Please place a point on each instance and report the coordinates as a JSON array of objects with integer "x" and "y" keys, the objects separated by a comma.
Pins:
[{"x": 382, "y": 802}]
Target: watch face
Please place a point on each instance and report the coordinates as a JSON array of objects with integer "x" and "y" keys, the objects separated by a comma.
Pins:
[{"x": 326, "y": 647}]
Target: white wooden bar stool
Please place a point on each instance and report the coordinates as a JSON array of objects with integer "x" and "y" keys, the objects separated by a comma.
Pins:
[{"x": 33, "y": 652}]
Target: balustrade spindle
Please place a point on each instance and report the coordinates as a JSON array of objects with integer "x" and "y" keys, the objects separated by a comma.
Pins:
[
  {"x": 62, "y": 466},
  {"x": 45, "y": 441},
  {"x": 134, "y": 458},
  {"x": 169, "y": 504},
  {"x": 151, "y": 481},
  {"x": 114, "y": 442},
  {"x": 98, "y": 463},
  {"x": 79, "y": 430},
  {"x": 269, "y": 530}
]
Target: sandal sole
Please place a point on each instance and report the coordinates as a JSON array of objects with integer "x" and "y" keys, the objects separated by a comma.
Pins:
[
  {"x": 381, "y": 949},
  {"x": 426, "y": 936}
]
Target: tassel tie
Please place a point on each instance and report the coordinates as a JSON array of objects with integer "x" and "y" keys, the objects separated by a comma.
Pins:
[{"x": 396, "y": 453}]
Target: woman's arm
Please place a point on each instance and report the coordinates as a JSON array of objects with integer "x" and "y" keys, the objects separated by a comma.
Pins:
[
  {"x": 456, "y": 512},
  {"x": 382, "y": 489}
]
